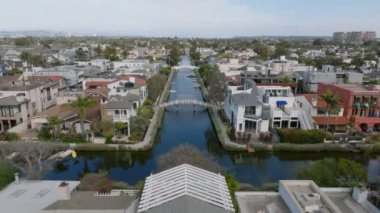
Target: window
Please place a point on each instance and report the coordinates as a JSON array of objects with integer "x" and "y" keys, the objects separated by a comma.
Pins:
[
  {"x": 250, "y": 126},
  {"x": 48, "y": 94},
  {"x": 117, "y": 112},
  {"x": 250, "y": 110},
  {"x": 240, "y": 127},
  {"x": 294, "y": 124}
]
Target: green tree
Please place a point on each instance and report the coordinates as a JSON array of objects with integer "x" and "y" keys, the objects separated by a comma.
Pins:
[
  {"x": 195, "y": 55},
  {"x": 280, "y": 51},
  {"x": 25, "y": 56},
  {"x": 110, "y": 53},
  {"x": 120, "y": 128},
  {"x": 261, "y": 50},
  {"x": 81, "y": 55},
  {"x": 102, "y": 128},
  {"x": 216, "y": 88},
  {"x": 165, "y": 71},
  {"x": 55, "y": 122},
  {"x": 6, "y": 173},
  {"x": 139, "y": 125},
  {"x": 318, "y": 42},
  {"x": 190, "y": 155},
  {"x": 174, "y": 54},
  {"x": 357, "y": 60},
  {"x": 145, "y": 112},
  {"x": 24, "y": 41},
  {"x": 98, "y": 50},
  {"x": 332, "y": 105},
  {"x": 156, "y": 85},
  {"x": 81, "y": 105},
  {"x": 233, "y": 185},
  {"x": 31, "y": 59},
  {"x": 333, "y": 173}
]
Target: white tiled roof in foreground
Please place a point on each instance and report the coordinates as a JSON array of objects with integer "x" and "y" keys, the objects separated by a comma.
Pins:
[{"x": 185, "y": 180}]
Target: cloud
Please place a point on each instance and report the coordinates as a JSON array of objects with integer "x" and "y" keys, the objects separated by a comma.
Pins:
[{"x": 184, "y": 18}]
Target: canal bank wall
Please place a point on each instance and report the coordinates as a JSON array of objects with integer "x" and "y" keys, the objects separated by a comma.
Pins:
[
  {"x": 218, "y": 125},
  {"x": 155, "y": 124}
]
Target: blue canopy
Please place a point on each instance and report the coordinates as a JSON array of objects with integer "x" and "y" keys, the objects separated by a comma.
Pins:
[{"x": 281, "y": 103}]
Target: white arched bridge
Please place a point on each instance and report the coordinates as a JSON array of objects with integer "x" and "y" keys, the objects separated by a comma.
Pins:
[
  {"x": 185, "y": 67},
  {"x": 186, "y": 101}
]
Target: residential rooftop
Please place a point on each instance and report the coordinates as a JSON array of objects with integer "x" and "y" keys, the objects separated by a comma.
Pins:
[
  {"x": 264, "y": 202},
  {"x": 91, "y": 200},
  {"x": 26, "y": 87},
  {"x": 12, "y": 101},
  {"x": 32, "y": 196},
  {"x": 188, "y": 188}
]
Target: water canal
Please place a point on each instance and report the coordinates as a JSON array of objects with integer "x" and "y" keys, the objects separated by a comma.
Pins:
[{"x": 195, "y": 128}]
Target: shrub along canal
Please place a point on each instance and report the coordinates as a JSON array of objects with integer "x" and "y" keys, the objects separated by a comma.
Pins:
[{"x": 186, "y": 126}]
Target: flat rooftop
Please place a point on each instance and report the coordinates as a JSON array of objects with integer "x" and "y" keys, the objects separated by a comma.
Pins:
[
  {"x": 89, "y": 200},
  {"x": 357, "y": 88},
  {"x": 31, "y": 196},
  {"x": 264, "y": 202},
  {"x": 331, "y": 199},
  {"x": 343, "y": 200}
]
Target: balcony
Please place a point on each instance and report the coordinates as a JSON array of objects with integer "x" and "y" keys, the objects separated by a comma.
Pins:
[
  {"x": 120, "y": 118},
  {"x": 16, "y": 116},
  {"x": 252, "y": 116}
]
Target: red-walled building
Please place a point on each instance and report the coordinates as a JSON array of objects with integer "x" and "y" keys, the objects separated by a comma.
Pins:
[{"x": 360, "y": 103}]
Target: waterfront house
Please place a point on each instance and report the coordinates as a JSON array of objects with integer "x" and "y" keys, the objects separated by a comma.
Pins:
[
  {"x": 254, "y": 109},
  {"x": 358, "y": 104}
]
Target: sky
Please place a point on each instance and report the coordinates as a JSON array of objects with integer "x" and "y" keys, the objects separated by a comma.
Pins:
[{"x": 192, "y": 18}]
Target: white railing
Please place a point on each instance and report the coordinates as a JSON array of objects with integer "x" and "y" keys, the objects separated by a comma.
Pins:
[{"x": 185, "y": 102}]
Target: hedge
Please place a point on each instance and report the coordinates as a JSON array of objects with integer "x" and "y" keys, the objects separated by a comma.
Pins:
[{"x": 298, "y": 136}]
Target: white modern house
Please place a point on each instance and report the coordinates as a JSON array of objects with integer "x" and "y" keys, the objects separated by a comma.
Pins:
[
  {"x": 246, "y": 111},
  {"x": 284, "y": 111},
  {"x": 132, "y": 64},
  {"x": 104, "y": 64},
  {"x": 254, "y": 109}
]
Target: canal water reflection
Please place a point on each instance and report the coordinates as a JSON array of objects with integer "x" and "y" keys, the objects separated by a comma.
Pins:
[{"x": 187, "y": 126}]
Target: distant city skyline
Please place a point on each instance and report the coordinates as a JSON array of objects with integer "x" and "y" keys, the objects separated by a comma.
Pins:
[{"x": 196, "y": 18}]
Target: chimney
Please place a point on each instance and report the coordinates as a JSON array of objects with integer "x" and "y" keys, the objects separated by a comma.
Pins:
[
  {"x": 17, "y": 179},
  {"x": 64, "y": 191}
]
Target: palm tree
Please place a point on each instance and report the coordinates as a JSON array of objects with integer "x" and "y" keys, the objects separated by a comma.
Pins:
[
  {"x": 54, "y": 122},
  {"x": 332, "y": 105},
  {"x": 81, "y": 105}
]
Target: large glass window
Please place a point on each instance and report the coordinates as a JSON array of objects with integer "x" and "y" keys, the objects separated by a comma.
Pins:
[
  {"x": 250, "y": 126},
  {"x": 250, "y": 110}
]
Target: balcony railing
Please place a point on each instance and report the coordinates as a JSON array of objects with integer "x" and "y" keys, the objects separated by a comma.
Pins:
[
  {"x": 120, "y": 117},
  {"x": 8, "y": 115}
]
